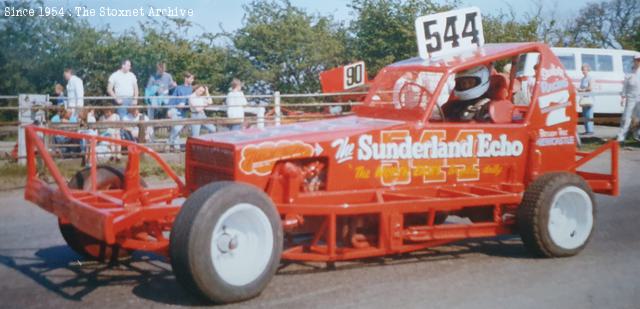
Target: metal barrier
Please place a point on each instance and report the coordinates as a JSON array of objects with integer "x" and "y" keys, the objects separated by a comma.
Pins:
[{"x": 257, "y": 115}]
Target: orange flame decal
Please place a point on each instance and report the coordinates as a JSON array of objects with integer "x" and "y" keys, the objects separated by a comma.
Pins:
[{"x": 259, "y": 159}]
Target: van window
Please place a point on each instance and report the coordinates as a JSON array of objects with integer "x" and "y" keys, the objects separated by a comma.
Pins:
[
  {"x": 589, "y": 60},
  {"x": 602, "y": 63},
  {"x": 627, "y": 64},
  {"x": 568, "y": 61},
  {"x": 605, "y": 63}
]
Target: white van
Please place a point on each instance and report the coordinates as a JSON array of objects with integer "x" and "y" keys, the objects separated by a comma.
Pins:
[{"x": 608, "y": 68}]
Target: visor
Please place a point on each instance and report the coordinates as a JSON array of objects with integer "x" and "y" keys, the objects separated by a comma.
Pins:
[{"x": 467, "y": 82}]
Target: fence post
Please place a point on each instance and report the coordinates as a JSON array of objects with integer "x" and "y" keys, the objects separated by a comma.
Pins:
[
  {"x": 142, "y": 130},
  {"x": 276, "y": 103}
]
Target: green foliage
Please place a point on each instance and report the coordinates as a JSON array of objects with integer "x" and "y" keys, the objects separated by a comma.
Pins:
[
  {"x": 288, "y": 47},
  {"x": 607, "y": 24},
  {"x": 383, "y": 31},
  {"x": 279, "y": 46},
  {"x": 502, "y": 28}
]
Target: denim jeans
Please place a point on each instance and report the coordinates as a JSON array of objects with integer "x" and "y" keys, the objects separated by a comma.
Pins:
[
  {"x": 625, "y": 122},
  {"x": 587, "y": 115},
  {"x": 122, "y": 110},
  {"x": 195, "y": 128},
  {"x": 235, "y": 127},
  {"x": 151, "y": 109},
  {"x": 174, "y": 136}
]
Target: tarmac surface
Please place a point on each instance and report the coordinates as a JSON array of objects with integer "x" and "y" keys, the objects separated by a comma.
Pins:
[{"x": 38, "y": 270}]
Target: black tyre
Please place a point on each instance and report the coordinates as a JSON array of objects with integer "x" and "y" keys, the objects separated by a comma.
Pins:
[
  {"x": 557, "y": 215},
  {"x": 226, "y": 242},
  {"x": 107, "y": 177}
]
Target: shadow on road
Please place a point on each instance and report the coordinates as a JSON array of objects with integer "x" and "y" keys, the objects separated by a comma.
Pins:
[{"x": 63, "y": 272}]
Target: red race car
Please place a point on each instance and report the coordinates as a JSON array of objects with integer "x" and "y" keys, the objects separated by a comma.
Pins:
[{"x": 442, "y": 149}]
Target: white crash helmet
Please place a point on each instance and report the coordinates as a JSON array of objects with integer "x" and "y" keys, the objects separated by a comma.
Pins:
[{"x": 481, "y": 75}]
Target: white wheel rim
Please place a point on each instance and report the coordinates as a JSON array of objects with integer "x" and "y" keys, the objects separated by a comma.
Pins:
[
  {"x": 241, "y": 244},
  {"x": 570, "y": 218}
]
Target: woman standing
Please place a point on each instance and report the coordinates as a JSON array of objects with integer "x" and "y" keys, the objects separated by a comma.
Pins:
[
  {"x": 235, "y": 105},
  {"x": 586, "y": 100},
  {"x": 198, "y": 100}
]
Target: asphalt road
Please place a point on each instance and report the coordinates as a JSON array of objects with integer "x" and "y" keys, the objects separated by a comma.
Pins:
[{"x": 37, "y": 270}]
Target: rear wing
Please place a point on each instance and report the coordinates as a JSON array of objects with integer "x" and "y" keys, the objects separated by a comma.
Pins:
[{"x": 350, "y": 78}]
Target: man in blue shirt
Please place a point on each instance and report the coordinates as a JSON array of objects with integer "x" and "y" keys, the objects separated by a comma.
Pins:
[
  {"x": 179, "y": 104},
  {"x": 159, "y": 84}
]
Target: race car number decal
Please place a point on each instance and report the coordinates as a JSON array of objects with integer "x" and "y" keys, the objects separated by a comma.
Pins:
[
  {"x": 353, "y": 75},
  {"x": 259, "y": 159},
  {"x": 449, "y": 32}
]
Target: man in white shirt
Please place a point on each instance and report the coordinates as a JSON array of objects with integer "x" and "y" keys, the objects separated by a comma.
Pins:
[
  {"x": 75, "y": 92},
  {"x": 123, "y": 87},
  {"x": 235, "y": 105},
  {"x": 630, "y": 94}
]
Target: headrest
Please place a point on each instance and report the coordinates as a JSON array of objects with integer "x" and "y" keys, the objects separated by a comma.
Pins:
[{"x": 499, "y": 87}]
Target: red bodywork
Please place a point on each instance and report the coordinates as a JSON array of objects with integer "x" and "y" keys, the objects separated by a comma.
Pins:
[{"x": 371, "y": 184}]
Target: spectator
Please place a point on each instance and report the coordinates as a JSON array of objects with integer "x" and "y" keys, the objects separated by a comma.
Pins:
[
  {"x": 65, "y": 116},
  {"x": 58, "y": 91},
  {"x": 198, "y": 101},
  {"x": 114, "y": 149},
  {"x": 131, "y": 133},
  {"x": 586, "y": 100},
  {"x": 630, "y": 94},
  {"x": 75, "y": 92},
  {"x": 235, "y": 105},
  {"x": 177, "y": 109},
  {"x": 159, "y": 84},
  {"x": 123, "y": 87}
]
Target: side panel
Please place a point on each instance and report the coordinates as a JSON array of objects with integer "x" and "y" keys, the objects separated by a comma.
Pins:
[{"x": 554, "y": 118}]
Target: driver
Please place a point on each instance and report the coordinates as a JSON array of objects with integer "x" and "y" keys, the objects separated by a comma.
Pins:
[{"x": 471, "y": 88}]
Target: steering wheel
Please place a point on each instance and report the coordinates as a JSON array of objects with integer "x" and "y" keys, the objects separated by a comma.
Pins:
[{"x": 406, "y": 92}]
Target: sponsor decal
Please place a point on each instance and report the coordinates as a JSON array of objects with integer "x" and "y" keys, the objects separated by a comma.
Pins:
[
  {"x": 259, "y": 159},
  {"x": 554, "y": 100},
  {"x": 431, "y": 156},
  {"x": 435, "y": 148},
  {"x": 555, "y": 106},
  {"x": 555, "y": 138},
  {"x": 344, "y": 150},
  {"x": 551, "y": 71},
  {"x": 546, "y": 87}
]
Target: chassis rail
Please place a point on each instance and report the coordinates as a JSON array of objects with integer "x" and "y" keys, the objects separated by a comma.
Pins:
[{"x": 134, "y": 217}]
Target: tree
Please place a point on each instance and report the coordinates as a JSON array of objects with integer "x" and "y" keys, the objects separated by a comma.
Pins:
[
  {"x": 383, "y": 31},
  {"x": 609, "y": 24},
  {"x": 287, "y": 47}
]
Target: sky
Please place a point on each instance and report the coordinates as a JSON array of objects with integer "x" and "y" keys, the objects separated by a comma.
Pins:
[{"x": 214, "y": 15}]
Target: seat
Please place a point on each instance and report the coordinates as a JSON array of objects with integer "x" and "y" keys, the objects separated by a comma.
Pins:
[
  {"x": 499, "y": 89},
  {"x": 500, "y": 108}
]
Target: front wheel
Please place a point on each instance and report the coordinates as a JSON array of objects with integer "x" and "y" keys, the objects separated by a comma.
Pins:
[
  {"x": 557, "y": 215},
  {"x": 226, "y": 242}
]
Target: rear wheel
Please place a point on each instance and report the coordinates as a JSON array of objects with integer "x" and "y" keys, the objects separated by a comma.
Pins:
[
  {"x": 557, "y": 215},
  {"x": 226, "y": 242},
  {"x": 107, "y": 178}
]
